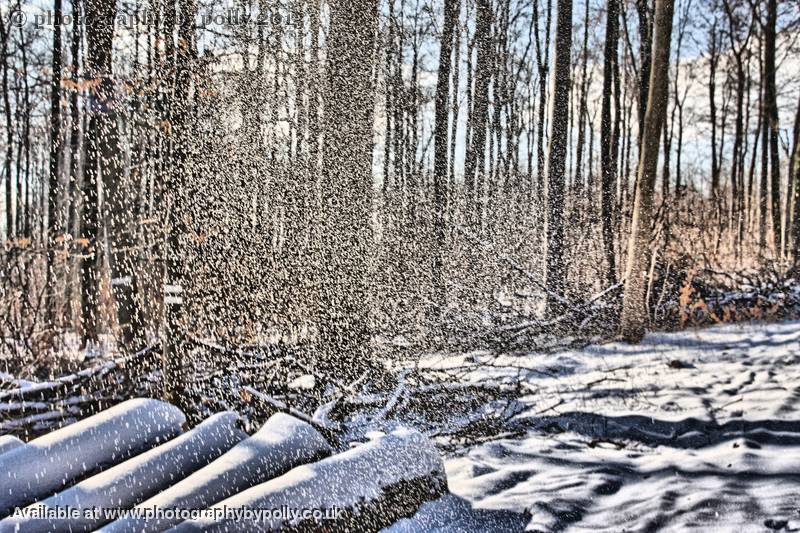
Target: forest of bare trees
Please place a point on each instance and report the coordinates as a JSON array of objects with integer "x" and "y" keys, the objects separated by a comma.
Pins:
[
  {"x": 370, "y": 177},
  {"x": 399, "y": 265}
]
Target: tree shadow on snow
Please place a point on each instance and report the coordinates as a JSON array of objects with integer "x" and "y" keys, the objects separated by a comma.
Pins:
[
  {"x": 764, "y": 340},
  {"x": 689, "y": 433}
]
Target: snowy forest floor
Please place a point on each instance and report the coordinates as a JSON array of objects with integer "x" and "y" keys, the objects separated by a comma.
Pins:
[{"x": 697, "y": 430}]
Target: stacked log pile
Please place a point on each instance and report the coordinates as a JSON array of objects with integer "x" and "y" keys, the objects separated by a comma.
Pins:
[{"x": 136, "y": 457}]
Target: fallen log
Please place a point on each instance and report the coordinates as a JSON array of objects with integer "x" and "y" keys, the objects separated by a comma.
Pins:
[
  {"x": 66, "y": 385},
  {"x": 249, "y": 393},
  {"x": 32, "y": 419},
  {"x": 283, "y": 443},
  {"x": 129, "y": 483},
  {"x": 37, "y": 421},
  {"x": 48, "y": 464},
  {"x": 15, "y": 410},
  {"x": 8, "y": 443},
  {"x": 369, "y": 487}
]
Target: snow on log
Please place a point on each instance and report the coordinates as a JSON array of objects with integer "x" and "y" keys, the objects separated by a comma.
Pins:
[
  {"x": 8, "y": 443},
  {"x": 281, "y": 444},
  {"x": 48, "y": 464},
  {"x": 371, "y": 485},
  {"x": 128, "y": 483}
]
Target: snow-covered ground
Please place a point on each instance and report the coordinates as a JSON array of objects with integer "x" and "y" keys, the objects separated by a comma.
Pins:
[{"x": 690, "y": 431}]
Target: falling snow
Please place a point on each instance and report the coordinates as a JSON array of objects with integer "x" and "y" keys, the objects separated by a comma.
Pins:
[{"x": 364, "y": 265}]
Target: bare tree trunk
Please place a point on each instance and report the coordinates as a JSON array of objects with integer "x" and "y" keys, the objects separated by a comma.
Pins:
[
  {"x": 738, "y": 46},
  {"x": 584, "y": 89},
  {"x": 788, "y": 212},
  {"x": 794, "y": 167},
  {"x": 73, "y": 199},
  {"x": 666, "y": 136},
  {"x": 440, "y": 168},
  {"x": 679, "y": 148},
  {"x": 388, "y": 101},
  {"x": 344, "y": 332},
  {"x": 751, "y": 193},
  {"x": 713, "y": 60},
  {"x": 645, "y": 59},
  {"x": 763, "y": 190},
  {"x": 54, "y": 167},
  {"x": 746, "y": 187},
  {"x": 634, "y": 312},
  {"x": 314, "y": 102},
  {"x": 679, "y": 100},
  {"x": 25, "y": 221},
  {"x": 555, "y": 272},
  {"x": 181, "y": 106},
  {"x": 117, "y": 213},
  {"x": 771, "y": 122},
  {"x": 413, "y": 114},
  {"x": 543, "y": 63},
  {"x": 607, "y": 159},
  {"x": 590, "y": 180},
  {"x": 9, "y": 208},
  {"x": 400, "y": 107},
  {"x": 99, "y": 36},
  {"x": 455, "y": 111},
  {"x": 475, "y": 161}
]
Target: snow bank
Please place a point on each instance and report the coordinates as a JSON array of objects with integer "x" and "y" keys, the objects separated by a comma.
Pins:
[
  {"x": 49, "y": 463},
  {"x": 127, "y": 484},
  {"x": 8, "y": 443},
  {"x": 281, "y": 444},
  {"x": 350, "y": 481}
]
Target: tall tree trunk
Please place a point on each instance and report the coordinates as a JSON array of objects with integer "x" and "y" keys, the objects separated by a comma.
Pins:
[
  {"x": 615, "y": 138},
  {"x": 9, "y": 156},
  {"x": 751, "y": 193},
  {"x": 683, "y": 21},
  {"x": 344, "y": 333},
  {"x": 645, "y": 57},
  {"x": 99, "y": 35},
  {"x": 634, "y": 312},
  {"x": 455, "y": 112},
  {"x": 25, "y": 221},
  {"x": 584, "y": 88},
  {"x": 475, "y": 162},
  {"x": 73, "y": 213},
  {"x": 590, "y": 179},
  {"x": 667, "y": 134},
  {"x": 387, "y": 141},
  {"x": 413, "y": 115},
  {"x": 314, "y": 100},
  {"x": 607, "y": 159},
  {"x": 73, "y": 199},
  {"x": 440, "y": 149},
  {"x": 556, "y": 156},
  {"x": 713, "y": 63},
  {"x": 117, "y": 192},
  {"x": 180, "y": 106},
  {"x": 771, "y": 102},
  {"x": 788, "y": 211},
  {"x": 543, "y": 63},
  {"x": 795, "y": 179},
  {"x": 738, "y": 47},
  {"x": 763, "y": 189},
  {"x": 54, "y": 167}
]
